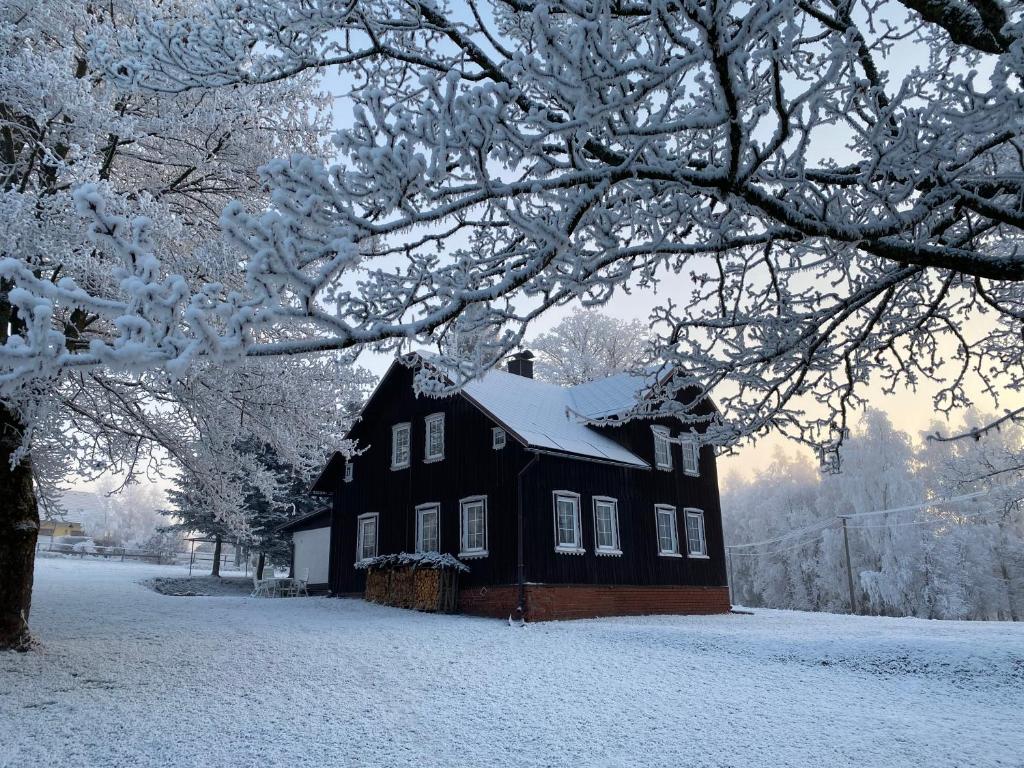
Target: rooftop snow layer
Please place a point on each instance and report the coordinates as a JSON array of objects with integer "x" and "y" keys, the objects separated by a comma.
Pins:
[
  {"x": 612, "y": 395},
  {"x": 545, "y": 415}
]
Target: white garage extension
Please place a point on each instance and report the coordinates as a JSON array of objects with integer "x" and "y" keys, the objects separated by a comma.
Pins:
[{"x": 311, "y": 547}]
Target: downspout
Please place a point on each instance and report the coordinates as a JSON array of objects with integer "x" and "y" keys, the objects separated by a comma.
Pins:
[{"x": 521, "y": 568}]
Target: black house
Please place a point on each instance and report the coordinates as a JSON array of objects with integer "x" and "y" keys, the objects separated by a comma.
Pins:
[{"x": 555, "y": 518}]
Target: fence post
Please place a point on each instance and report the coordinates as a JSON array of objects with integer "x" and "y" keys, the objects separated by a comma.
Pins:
[
  {"x": 849, "y": 568},
  {"x": 728, "y": 559}
]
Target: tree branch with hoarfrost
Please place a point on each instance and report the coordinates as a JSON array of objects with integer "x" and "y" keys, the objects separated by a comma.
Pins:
[
  {"x": 836, "y": 185},
  {"x": 173, "y": 161}
]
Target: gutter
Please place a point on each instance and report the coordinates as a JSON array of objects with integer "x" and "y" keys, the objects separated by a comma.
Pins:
[{"x": 521, "y": 568}]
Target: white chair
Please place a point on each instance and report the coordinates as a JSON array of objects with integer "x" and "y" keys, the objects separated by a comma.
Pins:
[
  {"x": 298, "y": 585},
  {"x": 258, "y": 589},
  {"x": 265, "y": 587}
]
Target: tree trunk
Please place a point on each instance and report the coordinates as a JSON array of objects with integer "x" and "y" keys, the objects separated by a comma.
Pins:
[
  {"x": 19, "y": 529},
  {"x": 259, "y": 566},
  {"x": 238, "y": 555},
  {"x": 216, "y": 557}
]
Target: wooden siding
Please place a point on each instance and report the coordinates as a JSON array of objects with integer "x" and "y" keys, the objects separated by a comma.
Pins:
[{"x": 472, "y": 467}]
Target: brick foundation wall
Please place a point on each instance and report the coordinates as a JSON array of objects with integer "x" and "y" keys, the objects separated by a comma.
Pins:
[{"x": 548, "y": 602}]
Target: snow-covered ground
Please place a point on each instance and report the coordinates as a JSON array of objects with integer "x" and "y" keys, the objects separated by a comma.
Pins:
[{"x": 125, "y": 676}]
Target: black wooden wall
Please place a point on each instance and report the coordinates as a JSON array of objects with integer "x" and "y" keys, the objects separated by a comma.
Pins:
[{"x": 472, "y": 467}]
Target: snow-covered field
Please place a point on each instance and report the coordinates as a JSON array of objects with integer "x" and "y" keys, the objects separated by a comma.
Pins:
[{"x": 128, "y": 677}]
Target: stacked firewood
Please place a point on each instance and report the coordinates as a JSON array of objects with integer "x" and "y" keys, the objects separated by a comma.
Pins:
[
  {"x": 427, "y": 582},
  {"x": 378, "y": 585}
]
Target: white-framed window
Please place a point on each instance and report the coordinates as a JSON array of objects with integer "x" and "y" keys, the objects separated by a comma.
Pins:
[
  {"x": 366, "y": 536},
  {"x": 473, "y": 525},
  {"x": 400, "y": 445},
  {"x": 696, "y": 544},
  {"x": 497, "y": 438},
  {"x": 606, "y": 526},
  {"x": 568, "y": 537},
  {"x": 691, "y": 458},
  {"x": 662, "y": 447},
  {"x": 668, "y": 531},
  {"x": 434, "y": 446},
  {"x": 348, "y": 471},
  {"x": 428, "y": 528}
]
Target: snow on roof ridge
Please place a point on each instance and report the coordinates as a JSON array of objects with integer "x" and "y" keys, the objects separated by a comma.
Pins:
[{"x": 548, "y": 416}]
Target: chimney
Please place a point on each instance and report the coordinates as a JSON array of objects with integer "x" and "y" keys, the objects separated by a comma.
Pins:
[{"x": 521, "y": 364}]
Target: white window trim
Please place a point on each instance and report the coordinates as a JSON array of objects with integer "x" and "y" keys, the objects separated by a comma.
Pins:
[
  {"x": 432, "y": 506},
  {"x": 405, "y": 425},
  {"x": 690, "y": 447},
  {"x": 615, "y": 551},
  {"x": 695, "y": 512},
  {"x": 565, "y": 548},
  {"x": 662, "y": 433},
  {"x": 359, "y": 535},
  {"x": 349, "y": 471},
  {"x": 463, "y": 551},
  {"x": 498, "y": 438},
  {"x": 434, "y": 418},
  {"x": 658, "y": 508}
]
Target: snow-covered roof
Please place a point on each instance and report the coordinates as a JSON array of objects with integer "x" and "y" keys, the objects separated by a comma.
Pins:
[
  {"x": 551, "y": 417},
  {"x": 614, "y": 395}
]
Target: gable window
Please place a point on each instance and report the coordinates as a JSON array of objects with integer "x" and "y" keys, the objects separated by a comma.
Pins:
[
  {"x": 567, "y": 522},
  {"x": 606, "y": 526},
  {"x": 348, "y": 471},
  {"x": 662, "y": 448},
  {"x": 400, "y": 446},
  {"x": 497, "y": 438},
  {"x": 428, "y": 531},
  {"x": 691, "y": 458},
  {"x": 696, "y": 544},
  {"x": 668, "y": 533},
  {"x": 434, "y": 448},
  {"x": 473, "y": 523},
  {"x": 366, "y": 536}
]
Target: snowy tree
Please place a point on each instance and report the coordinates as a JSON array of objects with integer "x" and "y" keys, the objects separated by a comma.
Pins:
[
  {"x": 838, "y": 182},
  {"x": 589, "y": 345},
  {"x": 929, "y": 559},
  {"x": 177, "y": 159}
]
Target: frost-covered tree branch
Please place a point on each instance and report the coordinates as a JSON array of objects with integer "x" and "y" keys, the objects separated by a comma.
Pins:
[{"x": 837, "y": 185}]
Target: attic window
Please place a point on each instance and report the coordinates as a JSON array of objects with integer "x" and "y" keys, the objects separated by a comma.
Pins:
[
  {"x": 497, "y": 438},
  {"x": 662, "y": 448},
  {"x": 348, "y": 471},
  {"x": 434, "y": 449},
  {"x": 691, "y": 458},
  {"x": 400, "y": 446}
]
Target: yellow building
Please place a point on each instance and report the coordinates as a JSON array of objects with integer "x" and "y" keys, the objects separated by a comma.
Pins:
[{"x": 59, "y": 528}]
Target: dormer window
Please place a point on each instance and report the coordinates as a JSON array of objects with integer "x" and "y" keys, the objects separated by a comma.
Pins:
[
  {"x": 434, "y": 448},
  {"x": 662, "y": 447},
  {"x": 691, "y": 458},
  {"x": 348, "y": 470},
  {"x": 497, "y": 438},
  {"x": 400, "y": 446}
]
